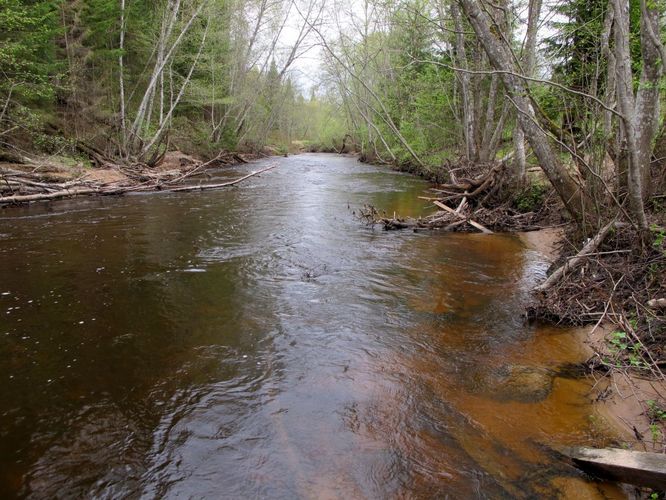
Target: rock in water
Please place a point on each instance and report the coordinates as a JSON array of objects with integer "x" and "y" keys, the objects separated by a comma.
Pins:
[{"x": 525, "y": 384}]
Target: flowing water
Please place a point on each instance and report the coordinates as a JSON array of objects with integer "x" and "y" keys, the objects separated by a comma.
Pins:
[{"x": 262, "y": 342}]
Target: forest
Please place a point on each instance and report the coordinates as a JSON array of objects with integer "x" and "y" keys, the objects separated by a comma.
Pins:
[
  {"x": 573, "y": 88},
  {"x": 523, "y": 114}
]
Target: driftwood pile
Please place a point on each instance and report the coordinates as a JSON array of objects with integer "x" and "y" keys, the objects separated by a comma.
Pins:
[
  {"x": 28, "y": 185},
  {"x": 446, "y": 219},
  {"x": 477, "y": 182},
  {"x": 470, "y": 201}
]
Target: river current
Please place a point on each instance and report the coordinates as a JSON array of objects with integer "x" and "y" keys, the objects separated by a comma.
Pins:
[{"x": 263, "y": 342}]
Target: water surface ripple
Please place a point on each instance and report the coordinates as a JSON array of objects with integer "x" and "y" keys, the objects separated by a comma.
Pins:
[{"x": 261, "y": 342}]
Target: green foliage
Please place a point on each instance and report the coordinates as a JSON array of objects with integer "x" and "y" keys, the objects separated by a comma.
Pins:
[
  {"x": 530, "y": 198},
  {"x": 623, "y": 348},
  {"x": 101, "y": 21},
  {"x": 28, "y": 63},
  {"x": 656, "y": 433},
  {"x": 575, "y": 49},
  {"x": 282, "y": 149},
  {"x": 52, "y": 144},
  {"x": 618, "y": 341},
  {"x": 317, "y": 122},
  {"x": 31, "y": 124},
  {"x": 655, "y": 412},
  {"x": 60, "y": 59},
  {"x": 659, "y": 235},
  {"x": 574, "y": 44}
]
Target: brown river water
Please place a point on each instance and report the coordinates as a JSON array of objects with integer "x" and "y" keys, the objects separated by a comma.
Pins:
[{"x": 262, "y": 342}]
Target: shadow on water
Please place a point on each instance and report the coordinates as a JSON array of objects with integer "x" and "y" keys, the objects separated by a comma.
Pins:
[{"x": 262, "y": 342}]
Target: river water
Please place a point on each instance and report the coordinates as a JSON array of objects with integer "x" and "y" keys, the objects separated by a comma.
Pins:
[{"x": 262, "y": 342}]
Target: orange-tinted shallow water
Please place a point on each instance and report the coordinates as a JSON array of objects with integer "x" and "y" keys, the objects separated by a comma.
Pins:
[{"x": 261, "y": 342}]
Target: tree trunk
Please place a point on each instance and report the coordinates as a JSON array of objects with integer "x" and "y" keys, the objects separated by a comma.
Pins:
[
  {"x": 500, "y": 58},
  {"x": 647, "y": 99},
  {"x": 468, "y": 108},
  {"x": 165, "y": 120},
  {"x": 529, "y": 63},
  {"x": 520, "y": 158},
  {"x": 121, "y": 81},
  {"x": 627, "y": 107}
]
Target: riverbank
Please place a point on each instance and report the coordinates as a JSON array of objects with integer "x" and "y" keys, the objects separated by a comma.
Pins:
[
  {"x": 614, "y": 292},
  {"x": 51, "y": 178},
  {"x": 627, "y": 400}
]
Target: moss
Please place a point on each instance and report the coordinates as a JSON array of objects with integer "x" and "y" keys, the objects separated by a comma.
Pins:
[{"x": 531, "y": 198}]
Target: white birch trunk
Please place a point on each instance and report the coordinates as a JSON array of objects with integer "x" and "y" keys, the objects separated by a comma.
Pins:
[
  {"x": 121, "y": 82},
  {"x": 529, "y": 63},
  {"x": 627, "y": 107}
]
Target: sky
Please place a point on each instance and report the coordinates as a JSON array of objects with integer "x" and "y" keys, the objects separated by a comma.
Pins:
[
  {"x": 306, "y": 70},
  {"x": 340, "y": 15}
]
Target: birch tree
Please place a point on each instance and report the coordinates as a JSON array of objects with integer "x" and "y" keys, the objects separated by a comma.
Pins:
[
  {"x": 528, "y": 67},
  {"x": 640, "y": 110},
  {"x": 165, "y": 51},
  {"x": 501, "y": 59}
]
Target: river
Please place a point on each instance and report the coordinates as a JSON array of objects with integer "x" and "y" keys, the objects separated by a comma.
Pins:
[{"x": 262, "y": 342}]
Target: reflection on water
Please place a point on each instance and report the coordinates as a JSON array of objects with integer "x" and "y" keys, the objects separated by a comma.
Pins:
[{"x": 262, "y": 342}]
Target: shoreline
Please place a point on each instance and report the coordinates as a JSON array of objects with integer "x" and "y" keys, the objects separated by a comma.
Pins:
[
  {"x": 617, "y": 396},
  {"x": 50, "y": 180},
  {"x": 621, "y": 396}
]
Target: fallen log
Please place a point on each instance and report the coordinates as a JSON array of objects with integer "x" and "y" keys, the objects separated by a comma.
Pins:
[
  {"x": 202, "y": 187},
  {"x": 462, "y": 205},
  {"x": 47, "y": 177},
  {"x": 11, "y": 171},
  {"x": 579, "y": 258},
  {"x": 471, "y": 222},
  {"x": 478, "y": 183},
  {"x": 49, "y": 186},
  {"x": 625, "y": 466},
  {"x": 55, "y": 195},
  {"x": 199, "y": 168}
]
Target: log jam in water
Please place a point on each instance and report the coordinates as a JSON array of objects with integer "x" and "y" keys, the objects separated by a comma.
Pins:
[{"x": 262, "y": 342}]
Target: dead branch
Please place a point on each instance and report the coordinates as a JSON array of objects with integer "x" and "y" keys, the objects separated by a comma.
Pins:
[
  {"x": 55, "y": 195},
  {"x": 571, "y": 264},
  {"x": 471, "y": 222},
  {"x": 202, "y": 187}
]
